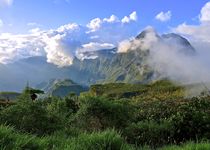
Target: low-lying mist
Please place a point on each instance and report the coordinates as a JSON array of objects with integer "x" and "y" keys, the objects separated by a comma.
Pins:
[{"x": 169, "y": 58}]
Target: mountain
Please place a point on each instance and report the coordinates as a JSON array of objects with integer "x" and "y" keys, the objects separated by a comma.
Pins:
[
  {"x": 185, "y": 46},
  {"x": 102, "y": 66},
  {"x": 61, "y": 88},
  {"x": 14, "y": 76}
]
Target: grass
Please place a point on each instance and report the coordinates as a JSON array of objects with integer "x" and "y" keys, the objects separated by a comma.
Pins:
[
  {"x": 109, "y": 140},
  {"x": 189, "y": 146}
]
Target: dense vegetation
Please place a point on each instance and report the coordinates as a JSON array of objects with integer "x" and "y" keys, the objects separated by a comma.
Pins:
[{"x": 110, "y": 116}]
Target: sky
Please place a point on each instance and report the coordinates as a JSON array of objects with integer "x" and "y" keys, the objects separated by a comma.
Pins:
[
  {"x": 21, "y": 15},
  {"x": 63, "y": 29}
]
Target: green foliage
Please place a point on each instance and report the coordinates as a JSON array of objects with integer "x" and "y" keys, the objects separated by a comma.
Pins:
[
  {"x": 9, "y": 139},
  {"x": 97, "y": 113},
  {"x": 163, "y": 89},
  {"x": 30, "y": 117},
  {"x": 62, "y": 88},
  {"x": 149, "y": 133},
  {"x": 148, "y": 116},
  {"x": 72, "y": 102},
  {"x": 107, "y": 140},
  {"x": 192, "y": 120},
  {"x": 189, "y": 146}
]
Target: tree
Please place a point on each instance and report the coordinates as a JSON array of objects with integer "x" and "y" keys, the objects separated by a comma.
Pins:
[{"x": 32, "y": 92}]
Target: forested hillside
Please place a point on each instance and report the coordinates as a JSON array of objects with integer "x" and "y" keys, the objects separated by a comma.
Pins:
[{"x": 109, "y": 116}]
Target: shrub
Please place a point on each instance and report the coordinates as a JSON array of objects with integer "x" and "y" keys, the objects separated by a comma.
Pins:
[
  {"x": 31, "y": 117},
  {"x": 192, "y": 121},
  {"x": 149, "y": 133},
  {"x": 98, "y": 113}
]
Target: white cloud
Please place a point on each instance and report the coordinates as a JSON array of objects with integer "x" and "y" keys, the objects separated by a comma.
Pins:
[
  {"x": 88, "y": 50},
  {"x": 143, "y": 44},
  {"x": 14, "y": 47},
  {"x": 62, "y": 43},
  {"x": 112, "y": 29},
  {"x": 6, "y": 2},
  {"x": 94, "y": 46},
  {"x": 164, "y": 16},
  {"x": 125, "y": 19},
  {"x": 111, "y": 19},
  {"x": 205, "y": 13},
  {"x": 95, "y": 24},
  {"x": 132, "y": 17},
  {"x": 167, "y": 59},
  {"x": 60, "y": 46},
  {"x": 56, "y": 53},
  {"x": 198, "y": 32},
  {"x": 68, "y": 27}
]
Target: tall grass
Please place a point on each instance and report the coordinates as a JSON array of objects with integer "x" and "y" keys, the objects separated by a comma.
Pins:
[
  {"x": 107, "y": 140},
  {"x": 189, "y": 146}
]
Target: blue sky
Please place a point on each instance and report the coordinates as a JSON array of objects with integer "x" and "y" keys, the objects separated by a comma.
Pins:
[
  {"x": 63, "y": 29},
  {"x": 54, "y": 13}
]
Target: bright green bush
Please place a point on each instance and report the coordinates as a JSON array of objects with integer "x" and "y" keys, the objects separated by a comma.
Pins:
[
  {"x": 31, "y": 117},
  {"x": 97, "y": 113}
]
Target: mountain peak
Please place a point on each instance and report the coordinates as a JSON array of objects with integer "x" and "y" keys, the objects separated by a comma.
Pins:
[{"x": 146, "y": 31}]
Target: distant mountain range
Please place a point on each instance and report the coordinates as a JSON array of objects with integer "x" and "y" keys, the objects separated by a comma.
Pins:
[{"x": 108, "y": 66}]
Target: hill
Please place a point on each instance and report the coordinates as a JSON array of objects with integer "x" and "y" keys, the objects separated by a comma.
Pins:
[
  {"x": 61, "y": 87},
  {"x": 162, "y": 89}
]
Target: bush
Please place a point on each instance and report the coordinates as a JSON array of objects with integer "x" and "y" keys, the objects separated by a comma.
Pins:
[
  {"x": 149, "y": 133},
  {"x": 192, "y": 121},
  {"x": 98, "y": 113},
  {"x": 31, "y": 117}
]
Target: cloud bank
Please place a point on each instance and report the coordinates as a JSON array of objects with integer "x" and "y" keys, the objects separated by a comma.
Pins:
[
  {"x": 62, "y": 45},
  {"x": 199, "y": 33},
  {"x": 169, "y": 59}
]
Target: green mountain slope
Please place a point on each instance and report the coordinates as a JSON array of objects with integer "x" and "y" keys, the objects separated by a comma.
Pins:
[
  {"x": 129, "y": 67},
  {"x": 109, "y": 66},
  {"x": 61, "y": 88}
]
